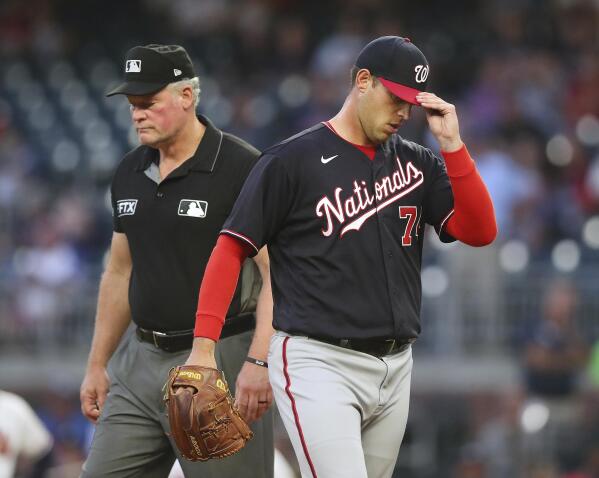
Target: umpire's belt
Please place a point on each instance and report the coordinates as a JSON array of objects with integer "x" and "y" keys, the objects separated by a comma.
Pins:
[
  {"x": 376, "y": 347},
  {"x": 183, "y": 339}
]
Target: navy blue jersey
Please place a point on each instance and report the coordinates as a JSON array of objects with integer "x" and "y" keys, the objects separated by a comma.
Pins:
[{"x": 344, "y": 233}]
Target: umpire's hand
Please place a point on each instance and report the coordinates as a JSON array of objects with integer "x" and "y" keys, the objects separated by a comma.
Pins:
[
  {"x": 93, "y": 391},
  {"x": 253, "y": 394}
]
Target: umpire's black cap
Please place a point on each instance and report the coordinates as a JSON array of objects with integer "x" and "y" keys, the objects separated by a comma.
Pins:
[
  {"x": 150, "y": 68},
  {"x": 399, "y": 65}
]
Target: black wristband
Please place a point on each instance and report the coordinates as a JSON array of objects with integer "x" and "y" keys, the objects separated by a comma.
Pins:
[{"x": 262, "y": 363}]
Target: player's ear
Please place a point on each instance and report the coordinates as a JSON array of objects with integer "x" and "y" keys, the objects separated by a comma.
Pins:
[{"x": 363, "y": 79}]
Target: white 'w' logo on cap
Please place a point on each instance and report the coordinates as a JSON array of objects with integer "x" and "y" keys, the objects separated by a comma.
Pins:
[{"x": 421, "y": 73}]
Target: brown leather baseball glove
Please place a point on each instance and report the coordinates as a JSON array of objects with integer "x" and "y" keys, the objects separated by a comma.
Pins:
[{"x": 204, "y": 421}]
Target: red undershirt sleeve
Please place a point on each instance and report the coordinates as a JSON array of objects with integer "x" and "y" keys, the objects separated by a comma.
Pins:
[
  {"x": 473, "y": 220},
  {"x": 218, "y": 285}
]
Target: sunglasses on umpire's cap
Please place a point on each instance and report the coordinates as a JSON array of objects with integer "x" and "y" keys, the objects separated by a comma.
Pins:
[
  {"x": 150, "y": 68},
  {"x": 399, "y": 65}
]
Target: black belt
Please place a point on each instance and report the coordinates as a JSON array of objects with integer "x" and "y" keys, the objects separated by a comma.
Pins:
[
  {"x": 376, "y": 347},
  {"x": 180, "y": 340}
]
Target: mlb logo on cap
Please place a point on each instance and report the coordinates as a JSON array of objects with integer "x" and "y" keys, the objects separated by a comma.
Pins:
[
  {"x": 133, "y": 66},
  {"x": 193, "y": 208},
  {"x": 162, "y": 64}
]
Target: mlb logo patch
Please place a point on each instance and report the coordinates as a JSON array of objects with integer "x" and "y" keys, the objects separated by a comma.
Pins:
[
  {"x": 133, "y": 66},
  {"x": 126, "y": 207},
  {"x": 193, "y": 208}
]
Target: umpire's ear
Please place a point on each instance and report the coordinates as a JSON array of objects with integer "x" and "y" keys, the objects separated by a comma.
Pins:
[{"x": 186, "y": 97}]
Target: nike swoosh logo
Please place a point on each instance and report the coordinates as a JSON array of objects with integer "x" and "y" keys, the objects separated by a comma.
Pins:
[{"x": 324, "y": 160}]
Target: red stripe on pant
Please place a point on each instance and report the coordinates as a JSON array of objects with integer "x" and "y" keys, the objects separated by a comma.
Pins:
[{"x": 293, "y": 407}]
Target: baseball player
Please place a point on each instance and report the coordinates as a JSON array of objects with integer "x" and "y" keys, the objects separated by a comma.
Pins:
[
  {"x": 343, "y": 207},
  {"x": 170, "y": 197},
  {"x": 22, "y": 434}
]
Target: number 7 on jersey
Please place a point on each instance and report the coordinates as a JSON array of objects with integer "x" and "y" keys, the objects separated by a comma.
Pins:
[{"x": 411, "y": 213}]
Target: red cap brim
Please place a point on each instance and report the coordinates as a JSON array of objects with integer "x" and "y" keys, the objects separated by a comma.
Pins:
[{"x": 404, "y": 92}]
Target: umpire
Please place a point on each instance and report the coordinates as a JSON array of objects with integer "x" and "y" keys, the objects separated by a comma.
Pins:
[{"x": 170, "y": 197}]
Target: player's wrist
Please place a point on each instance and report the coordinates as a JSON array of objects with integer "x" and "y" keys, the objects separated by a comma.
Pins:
[
  {"x": 202, "y": 352},
  {"x": 451, "y": 145},
  {"x": 201, "y": 361}
]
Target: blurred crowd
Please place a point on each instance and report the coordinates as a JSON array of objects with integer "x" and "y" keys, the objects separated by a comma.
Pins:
[{"x": 523, "y": 74}]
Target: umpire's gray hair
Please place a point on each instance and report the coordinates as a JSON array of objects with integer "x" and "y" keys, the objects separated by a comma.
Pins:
[{"x": 194, "y": 83}]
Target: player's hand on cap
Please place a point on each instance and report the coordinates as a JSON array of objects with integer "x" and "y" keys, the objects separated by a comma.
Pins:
[
  {"x": 93, "y": 392},
  {"x": 253, "y": 394},
  {"x": 442, "y": 121}
]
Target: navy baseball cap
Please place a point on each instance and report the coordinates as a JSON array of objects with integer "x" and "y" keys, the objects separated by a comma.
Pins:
[
  {"x": 399, "y": 65},
  {"x": 150, "y": 68}
]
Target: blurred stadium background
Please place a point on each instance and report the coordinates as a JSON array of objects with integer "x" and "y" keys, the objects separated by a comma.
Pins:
[{"x": 506, "y": 374}]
